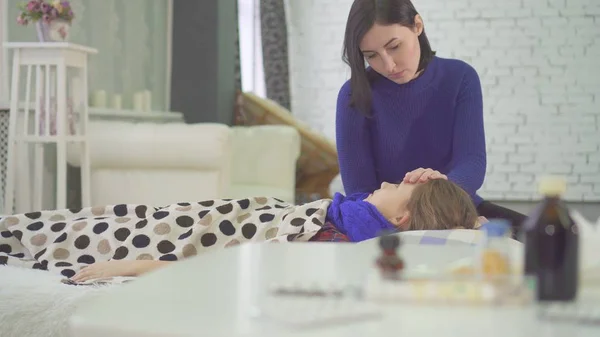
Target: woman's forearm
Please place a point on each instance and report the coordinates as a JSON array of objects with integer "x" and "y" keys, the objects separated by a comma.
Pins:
[
  {"x": 469, "y": 174},
  {"x": 469, "y": 160}
]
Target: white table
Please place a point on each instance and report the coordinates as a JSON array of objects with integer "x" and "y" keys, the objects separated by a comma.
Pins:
[{"x": 213, "y": 295}]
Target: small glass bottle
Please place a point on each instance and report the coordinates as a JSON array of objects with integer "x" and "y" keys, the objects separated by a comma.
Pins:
[
  {"x": 495, "y": 257},
  {"x": 552, "y": 245}
]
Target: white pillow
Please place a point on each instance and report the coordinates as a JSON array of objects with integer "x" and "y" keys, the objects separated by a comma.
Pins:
[{"x": 471, "y": 237}]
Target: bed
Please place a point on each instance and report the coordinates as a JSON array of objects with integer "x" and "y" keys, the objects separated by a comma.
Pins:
[
  {"x": 34, "y": 303},
  {"x": 39, "y": 251}
]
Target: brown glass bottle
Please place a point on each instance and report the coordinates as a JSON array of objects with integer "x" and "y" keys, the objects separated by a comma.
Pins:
[{"x": 552, "y": 245}]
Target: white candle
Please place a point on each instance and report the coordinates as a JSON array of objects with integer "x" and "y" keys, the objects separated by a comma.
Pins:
[
  {"x": 99, "y": 99},
  {"x": 117, "y": 102},
  {"x": 147, "y": 100},
  {"x": 138, "y": 101}
]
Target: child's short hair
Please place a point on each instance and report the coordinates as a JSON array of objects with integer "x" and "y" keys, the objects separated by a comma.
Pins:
[{"x": 440, "y": 204}]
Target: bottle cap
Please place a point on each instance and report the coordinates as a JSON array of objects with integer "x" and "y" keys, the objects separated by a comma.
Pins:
[
  {"x": 552, "y": 185},
  {"x": 389, "y": 241},
  {"x": 496, "y": 227}
]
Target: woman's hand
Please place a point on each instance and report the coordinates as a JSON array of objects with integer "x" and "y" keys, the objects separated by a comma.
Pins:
[
  {"x": 421, "y": 175},
  {"x": 107, "y": 269}
]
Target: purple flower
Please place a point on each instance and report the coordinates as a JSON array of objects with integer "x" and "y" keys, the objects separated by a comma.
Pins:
[
  {"x": 53, "y": 13},
  {"x": 46, "y": 7},
  {"x": 21, "y": 20},
  {"x": 33, "y": 6},
  {"x": 65, "y": 4},
  {"x": 47, "y": 18}
]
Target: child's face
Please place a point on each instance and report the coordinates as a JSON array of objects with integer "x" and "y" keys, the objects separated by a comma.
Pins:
[{"x": 391, "y": 201}]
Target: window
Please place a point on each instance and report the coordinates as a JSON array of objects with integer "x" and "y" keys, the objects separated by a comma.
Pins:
[{"x": 251, "y": 60}]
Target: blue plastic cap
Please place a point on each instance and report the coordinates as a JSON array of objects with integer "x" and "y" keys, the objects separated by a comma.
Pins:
[{"x": 496, "y": 227}]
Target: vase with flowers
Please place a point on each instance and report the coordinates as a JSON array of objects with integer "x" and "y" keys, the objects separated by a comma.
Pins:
[{"x": 52, "y": 19}]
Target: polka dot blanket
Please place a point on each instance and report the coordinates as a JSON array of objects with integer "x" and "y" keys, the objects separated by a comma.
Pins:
[{"x": 63, "y": 241}]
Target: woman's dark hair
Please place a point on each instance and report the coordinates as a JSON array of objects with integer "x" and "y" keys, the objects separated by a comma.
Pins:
[{"x": 363, "y": 15}]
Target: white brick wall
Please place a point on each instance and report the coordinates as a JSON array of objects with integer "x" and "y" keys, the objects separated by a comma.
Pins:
[{"x": 538, "y": 63}]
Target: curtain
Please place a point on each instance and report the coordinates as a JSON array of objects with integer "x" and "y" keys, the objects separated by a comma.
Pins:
[
  {"x": 275, "y": 51},
  {"x": 131, "y": 38},
  {"x": 238, "y": 66}
]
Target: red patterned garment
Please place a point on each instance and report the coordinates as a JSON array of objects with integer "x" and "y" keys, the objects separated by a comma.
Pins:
[{"x": 329, "y": 233}]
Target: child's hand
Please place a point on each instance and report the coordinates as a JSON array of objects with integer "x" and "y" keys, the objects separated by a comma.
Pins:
[{"x": 106, "y": 269}]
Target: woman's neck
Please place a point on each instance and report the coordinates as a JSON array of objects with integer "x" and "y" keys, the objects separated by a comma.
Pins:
[{"x": 421, "y": 80}]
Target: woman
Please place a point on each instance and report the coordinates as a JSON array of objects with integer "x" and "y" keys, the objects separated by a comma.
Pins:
[
  {"x": 435, "y": 204},
  {"x": 409, "y": 109}
]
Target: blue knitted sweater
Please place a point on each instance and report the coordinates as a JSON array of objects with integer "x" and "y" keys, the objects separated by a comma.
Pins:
[{"x": 434, "y": 121}]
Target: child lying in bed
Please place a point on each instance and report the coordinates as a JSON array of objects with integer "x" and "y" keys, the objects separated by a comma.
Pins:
[
  {"x": 436, "y": 204},
  {"x": 132, "y": 239},
  {"x": 433, "y": 205}
]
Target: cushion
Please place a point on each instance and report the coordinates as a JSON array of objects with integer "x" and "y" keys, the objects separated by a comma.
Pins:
[{"x": 123, "y": 145}]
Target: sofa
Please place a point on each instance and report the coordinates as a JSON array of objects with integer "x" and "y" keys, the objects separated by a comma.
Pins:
[
  {"x": 263, "y": 161},
  {"x": 161, "y": 164}
]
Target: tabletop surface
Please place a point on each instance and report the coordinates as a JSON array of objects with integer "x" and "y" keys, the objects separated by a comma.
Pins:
[{"x": 217, "y": 294}]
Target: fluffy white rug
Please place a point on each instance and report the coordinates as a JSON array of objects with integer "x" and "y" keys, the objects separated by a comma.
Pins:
[{"x": 36, "y": 303}]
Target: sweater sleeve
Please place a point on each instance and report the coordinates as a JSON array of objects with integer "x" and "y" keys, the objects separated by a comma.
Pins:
[
  {"x": 353, "y": 141},
  {"x": 468, "y": 163}
]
